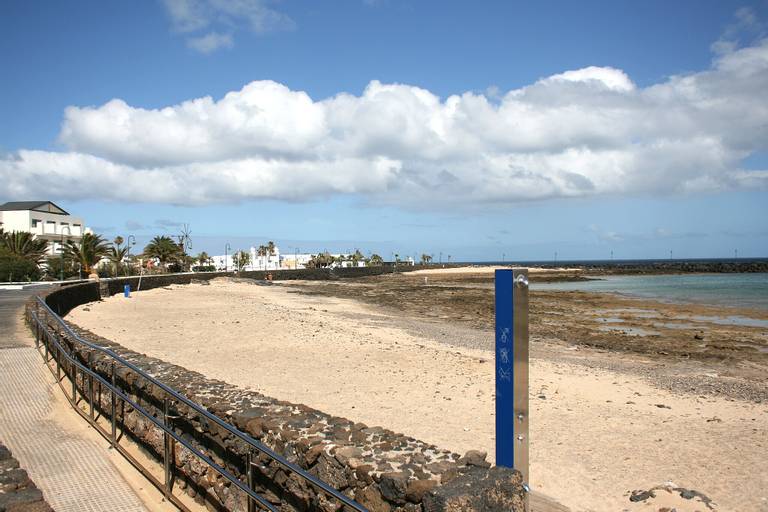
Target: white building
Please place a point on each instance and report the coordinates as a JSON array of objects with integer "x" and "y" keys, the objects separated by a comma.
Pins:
[
  {"x": 275, "y": 261},
  {"x": 295, "y": 260},
  {"x": 267, "y": 262},
  {"x": 220, "y": 263},
  {"x": 44, "y": 220}
]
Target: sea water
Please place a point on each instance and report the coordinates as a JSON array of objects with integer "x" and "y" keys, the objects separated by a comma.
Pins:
[{"x": 749, "y": 290}]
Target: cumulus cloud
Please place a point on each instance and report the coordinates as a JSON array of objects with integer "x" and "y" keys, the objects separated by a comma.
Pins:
[
  {"x": 578, "y": 133},
  {"x": 225, "y": 16}
]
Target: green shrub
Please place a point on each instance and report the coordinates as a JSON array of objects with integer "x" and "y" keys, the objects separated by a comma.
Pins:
[{"x": 17, "y": 268}]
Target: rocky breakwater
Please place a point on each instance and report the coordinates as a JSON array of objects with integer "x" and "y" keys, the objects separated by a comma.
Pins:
[{"x": 382, "y": 470}]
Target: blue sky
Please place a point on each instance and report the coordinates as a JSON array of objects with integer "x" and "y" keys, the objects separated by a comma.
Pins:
[{"x": 620, "y": 157}]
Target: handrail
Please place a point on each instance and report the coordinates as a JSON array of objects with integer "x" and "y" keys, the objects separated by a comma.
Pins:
[
  {"x": 126, "y": 398},
  {"x": 311, "y": 479}
]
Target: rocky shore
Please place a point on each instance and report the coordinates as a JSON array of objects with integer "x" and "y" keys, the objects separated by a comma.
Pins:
[{"x": 669, "y": 267}]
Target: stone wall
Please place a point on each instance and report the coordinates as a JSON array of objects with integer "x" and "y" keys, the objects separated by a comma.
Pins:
[
  {"x": 17, "y": 492},
  {"x": 383, "y": 470}
]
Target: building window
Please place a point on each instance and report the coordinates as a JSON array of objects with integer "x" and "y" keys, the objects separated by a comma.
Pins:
[{"x": 35, "y": 222}]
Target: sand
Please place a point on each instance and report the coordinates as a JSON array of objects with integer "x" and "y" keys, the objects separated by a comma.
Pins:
[{"x": 596, "y": 434}]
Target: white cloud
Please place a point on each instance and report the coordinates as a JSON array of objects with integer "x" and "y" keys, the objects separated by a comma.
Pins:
[
  {"x": 610, "y": 78},
  {"x": 226, "y": 16},
  {"x": 575, "y": 134},
  {"x": 210, "y": 42}
]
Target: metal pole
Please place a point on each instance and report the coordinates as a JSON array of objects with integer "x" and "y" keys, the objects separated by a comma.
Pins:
[
  {"x": 74, "y": 380},
  {"x": 249, "y": 473},
  {"x": 114, "y": 407},
  {"x": 37, "y": 325},
  {"x": 167, "y": 451},
  {"x": 58, "y": 363},
  {"x": 61, "y": 250},
  {"x": 90, "y": 383},
  {"x": 128, "y": 253},
  {"x": 512, "y": 370}
]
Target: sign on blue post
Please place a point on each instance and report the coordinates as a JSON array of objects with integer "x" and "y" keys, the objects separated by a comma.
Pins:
[{"x": 512, "y": 369}]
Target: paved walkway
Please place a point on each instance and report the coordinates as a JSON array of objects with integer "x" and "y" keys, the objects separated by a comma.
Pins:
[{"x": 71, "y": 468}]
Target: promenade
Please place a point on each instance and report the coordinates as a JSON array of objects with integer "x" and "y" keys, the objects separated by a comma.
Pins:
[{"x": 68, "y": 460}]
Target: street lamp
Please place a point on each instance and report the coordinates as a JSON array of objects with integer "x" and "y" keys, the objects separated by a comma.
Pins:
[
  {"x": 61, "y": 250},
  {"x": 131, "y": 242},
  {"x": 226, "y": 261}
]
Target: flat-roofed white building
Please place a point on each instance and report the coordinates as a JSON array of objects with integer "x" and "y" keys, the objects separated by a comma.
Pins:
[{"x": 44, "y": 220}]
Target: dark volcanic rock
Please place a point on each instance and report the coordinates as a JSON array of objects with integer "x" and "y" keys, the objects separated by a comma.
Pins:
[{"x": 478, "y": 490}]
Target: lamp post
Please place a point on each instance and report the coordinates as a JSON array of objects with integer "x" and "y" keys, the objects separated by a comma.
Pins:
[
  {"x": 61, "y": 250},
  {"x": 131, "y": 242},
  {"x": 226, "y": 261}
]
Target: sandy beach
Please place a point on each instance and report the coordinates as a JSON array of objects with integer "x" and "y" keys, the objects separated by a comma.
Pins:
[{"x": 608, "y": 415}]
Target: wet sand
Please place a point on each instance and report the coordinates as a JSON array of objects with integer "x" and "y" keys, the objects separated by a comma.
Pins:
[{"x": 393, "y": 351}]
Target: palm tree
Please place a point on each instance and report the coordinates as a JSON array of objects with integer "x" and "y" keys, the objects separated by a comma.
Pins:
[
  {"x": 163, "y": 248},
  {"x": 88, "y": 251},
  {"x": 376, "y": 260},
  {"x": 117, "y": 254},
  {"x": 425, "y": 258},
  {"x": 262, "y": 252},
  {"x": 203, "y": 258},
  {"x": 241, "y": 259},
  {"x": 24, "y": 245},
  {"x": 357, "y": 257}
]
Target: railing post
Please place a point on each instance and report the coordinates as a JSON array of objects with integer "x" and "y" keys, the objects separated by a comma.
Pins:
[
  {"x": 249, "y": 477},
  {"x": 37, "y": 330},
  {"x": 90, "y": 383},
  {"x": 37, "y": 324},
  {"x": 58, "y": 362},
  {"x": 114, "y": 408},
  {"x": 74, "y": 379},
  {"x": 512, "y": 371},
  {"x": 167, "y": 450}
]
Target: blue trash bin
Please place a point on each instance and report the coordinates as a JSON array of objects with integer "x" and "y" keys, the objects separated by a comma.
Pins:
[{"x": 127, "y": 290}]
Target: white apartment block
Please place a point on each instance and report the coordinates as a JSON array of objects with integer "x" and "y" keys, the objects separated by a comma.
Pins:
[{"x": 44, "y": 220}]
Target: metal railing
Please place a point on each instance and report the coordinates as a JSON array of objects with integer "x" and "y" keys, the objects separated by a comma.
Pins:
[{"x": 51, "y": 339}]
